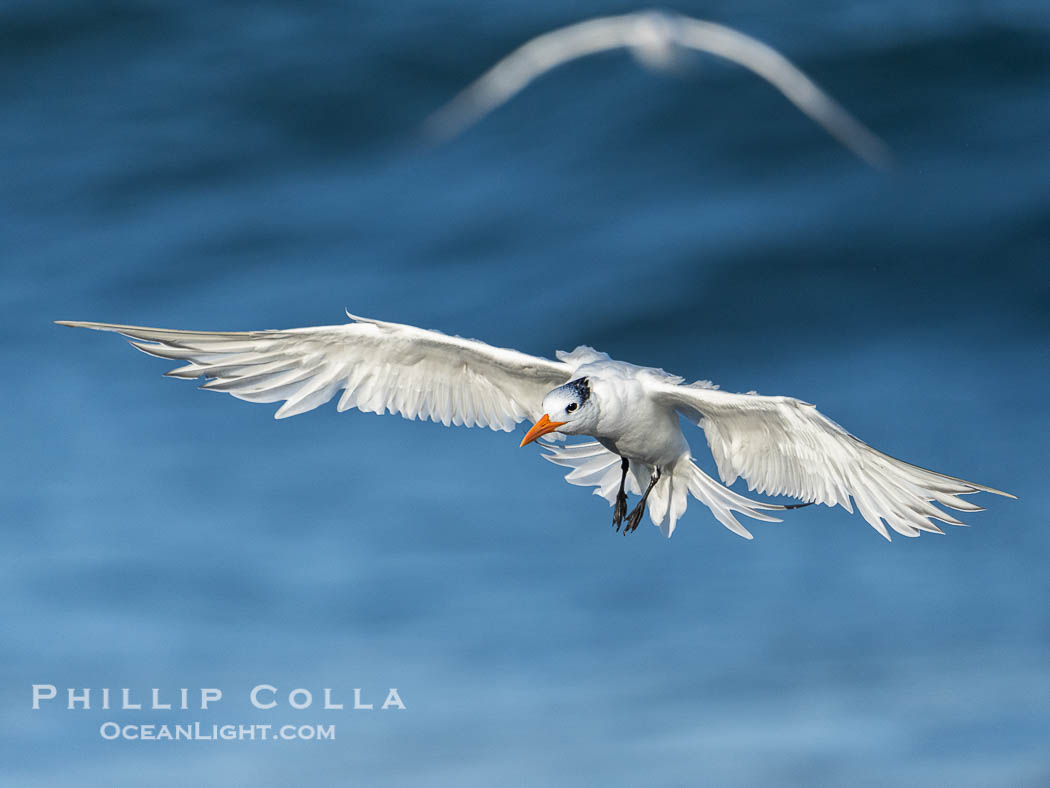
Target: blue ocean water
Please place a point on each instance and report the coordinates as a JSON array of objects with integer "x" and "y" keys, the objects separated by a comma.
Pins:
[{"x": 226, "y": 166}]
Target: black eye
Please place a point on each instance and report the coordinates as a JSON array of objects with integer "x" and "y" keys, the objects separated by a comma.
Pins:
[{"x": 571, "y": 407}]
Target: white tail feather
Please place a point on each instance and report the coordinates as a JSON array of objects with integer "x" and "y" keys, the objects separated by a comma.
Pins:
[{"x": 595, "y": 466}]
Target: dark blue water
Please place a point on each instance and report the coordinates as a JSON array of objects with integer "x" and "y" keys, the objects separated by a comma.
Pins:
[{"x": 200, "y": 165}]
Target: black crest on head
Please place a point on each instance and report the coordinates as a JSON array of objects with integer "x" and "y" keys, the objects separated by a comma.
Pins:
[{"x": 582, "y": 388}]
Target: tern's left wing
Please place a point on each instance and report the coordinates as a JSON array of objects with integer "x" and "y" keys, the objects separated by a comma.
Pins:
[
  {"x": 378, "y": 366},
  {"x": 781, "y": 445}
]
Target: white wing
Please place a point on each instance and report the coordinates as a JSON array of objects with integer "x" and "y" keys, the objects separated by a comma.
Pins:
[
  {"x": 379, "y": 367},
  {"x": 651, "y": 35},
  {"x": 783, "y": 446},
  {"x": 797, "y": 88},
  {"x": 529, "y": 61}
]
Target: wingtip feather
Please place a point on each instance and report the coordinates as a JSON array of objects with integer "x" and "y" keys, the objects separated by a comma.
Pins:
[
  {"x": 359, "y": 319},
  {"x": 83, "y": 324}
]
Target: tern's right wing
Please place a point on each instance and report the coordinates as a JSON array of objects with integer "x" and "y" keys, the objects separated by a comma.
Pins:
[{"x": 379, "y": 367}]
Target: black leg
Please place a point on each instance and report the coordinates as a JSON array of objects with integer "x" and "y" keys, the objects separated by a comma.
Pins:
[
  {"x": 635, "y": 516},
  {"x": 620, "y": 509}
]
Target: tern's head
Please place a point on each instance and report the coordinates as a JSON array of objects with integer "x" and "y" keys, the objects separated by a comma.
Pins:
[{"x": 569, "y": 409}]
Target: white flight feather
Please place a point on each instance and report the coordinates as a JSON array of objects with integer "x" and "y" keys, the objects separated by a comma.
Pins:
[
  {"x": 652, "y": 36},
  {"x": 378, "y": 366},
  {"x": 783, "y": 446}
]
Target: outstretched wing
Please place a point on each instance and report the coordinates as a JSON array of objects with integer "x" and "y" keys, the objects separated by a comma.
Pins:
[
  {"x": 378, "y": 366},
  {"x": 529, "y": 61},
  {"x": 783, "y": 446},
  {"x": 651, "y": 34},
  {"x": 780, "y": 72}
]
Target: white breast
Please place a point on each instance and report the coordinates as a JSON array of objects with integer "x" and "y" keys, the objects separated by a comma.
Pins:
[{"x": 632, "y": 423}]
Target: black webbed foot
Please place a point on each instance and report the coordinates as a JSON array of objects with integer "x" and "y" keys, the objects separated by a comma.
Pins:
[
  {"x": 635, "y": 517},
  {"x": 619, "y": 510},
  {"x": 621, "y": 497}
]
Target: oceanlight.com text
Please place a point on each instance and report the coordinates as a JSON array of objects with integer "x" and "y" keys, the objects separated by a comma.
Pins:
[{"x": 197, "y": 731}]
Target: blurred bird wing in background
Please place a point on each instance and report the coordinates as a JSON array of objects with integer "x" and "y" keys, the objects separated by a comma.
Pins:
[
  {"x": 652, "y": 37},
  {"x": 783, "y": 446},
  {"x": 380, "y": 366}
]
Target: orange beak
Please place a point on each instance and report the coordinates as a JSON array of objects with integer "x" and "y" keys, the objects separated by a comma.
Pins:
[{"x": 541, "y": 427}]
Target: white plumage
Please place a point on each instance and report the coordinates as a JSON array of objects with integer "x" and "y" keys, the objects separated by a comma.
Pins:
[
  {"x": 779, "y": 445},
  {"x": 654, "y": 38}
]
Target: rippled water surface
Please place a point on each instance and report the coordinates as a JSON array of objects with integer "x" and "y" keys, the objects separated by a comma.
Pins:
[{"x": 215, "y": 166}]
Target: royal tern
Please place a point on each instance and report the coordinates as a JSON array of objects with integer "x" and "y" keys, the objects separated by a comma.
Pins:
[
  {"x": 654, "y": 38},
  {"x": 778, "y": 445}
]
